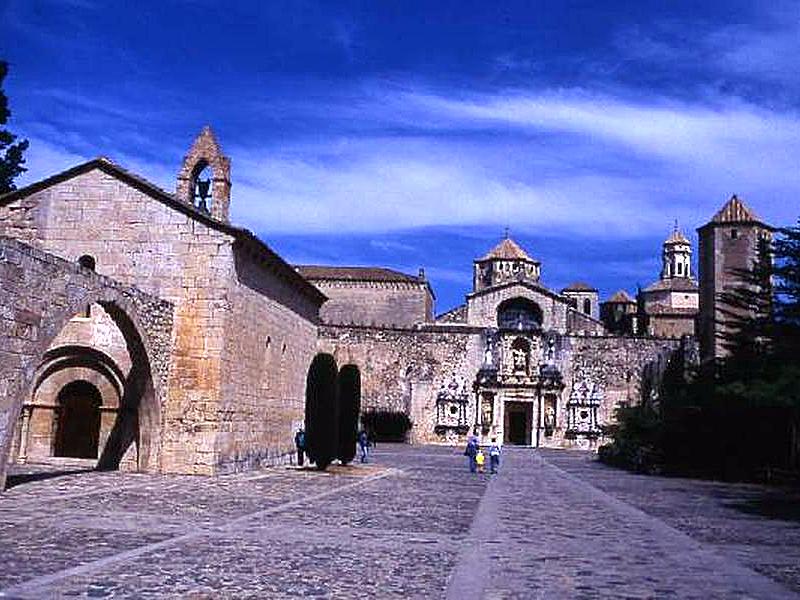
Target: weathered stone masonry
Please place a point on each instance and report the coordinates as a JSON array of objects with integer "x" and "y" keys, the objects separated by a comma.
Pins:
[
  {"x": 245, "y": 321},
  {"x": 39, "y": 293}
]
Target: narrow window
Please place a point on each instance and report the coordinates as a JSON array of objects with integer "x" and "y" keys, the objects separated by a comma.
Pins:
[
  {"x": 587, "y": 306},
  {"x": 87, "y": 262},
  {"x": 734, "y": 234}
]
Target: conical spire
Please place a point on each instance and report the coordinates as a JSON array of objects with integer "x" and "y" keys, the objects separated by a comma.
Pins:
[
  {"x": 507, "y": 249},
  {"x": 735, "y": 211}
]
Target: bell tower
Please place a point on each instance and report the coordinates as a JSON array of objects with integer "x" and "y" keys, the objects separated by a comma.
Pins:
[
  {"x": 204, "y": 181},
  {"x": 677, "y": 256}
]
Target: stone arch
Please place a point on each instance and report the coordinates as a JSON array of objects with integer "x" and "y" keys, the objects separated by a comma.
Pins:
[
  {"x": 322, "y": 415},
  {"x": 36, "y": 435},
  {"x": 519, "y": 313},
  {"x": 77, "y": 432},
  {"x": 349, "y": 399},
  {"x": 43, "y": 293}
]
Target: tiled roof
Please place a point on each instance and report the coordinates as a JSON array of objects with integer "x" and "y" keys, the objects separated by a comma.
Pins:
[
  {"x": 579, "y": 286},
  {"x": 621, "y": 297},
  {"x": 677, "y": 237},
  {"x": 507, "y": 249},
  {"x": 455, "y": 315},
  {"x": 319, "y": 272},
  {"x": 735, "y": 211}
]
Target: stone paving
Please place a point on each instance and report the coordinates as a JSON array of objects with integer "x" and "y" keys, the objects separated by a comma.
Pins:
[{"x": 412, "y": 524}]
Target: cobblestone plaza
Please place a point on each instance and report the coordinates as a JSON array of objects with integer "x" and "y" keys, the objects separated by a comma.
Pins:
[{"x": 414, "y": 523}]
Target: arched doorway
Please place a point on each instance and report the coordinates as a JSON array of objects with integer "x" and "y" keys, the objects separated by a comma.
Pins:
[
  {"x": 322, "y": 415},
  {"x": 78, "y": 420},
  {"x": 349, "y": 396},
  {"x": 53, "y": 291}
]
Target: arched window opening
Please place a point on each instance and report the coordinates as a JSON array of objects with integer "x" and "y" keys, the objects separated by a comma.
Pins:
[
  {"x": 520, "y": 314},
  {"x": 78, "y": 429},
  {"x": 87, "y": 262},
  {"x": 520, "y": 355},
  {"x": 587, "y": 306},
  {"x": 202, "y": 183}
]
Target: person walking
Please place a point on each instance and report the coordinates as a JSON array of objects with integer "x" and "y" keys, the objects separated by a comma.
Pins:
[
  {"x": 480, "y": 459},
  {"x": 494, "y": 456},
  {"x": 363, "y": 445},
  {"x": 300, "y": 444},
  {"x": 471, "y": 452}
]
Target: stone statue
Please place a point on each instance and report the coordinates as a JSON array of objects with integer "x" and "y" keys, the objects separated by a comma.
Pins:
[
  {"x": 549, "y": 420},
  {"x": 550, "y": 353},
  {"x": 518, "y": 359}
]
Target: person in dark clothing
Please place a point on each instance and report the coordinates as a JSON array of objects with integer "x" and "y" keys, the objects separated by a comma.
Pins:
[
  {"x": 300, "y": 443},
  {"x": 471, "y": 453},
  {"x": 363, "y": 445},
  {"x": 494, "y": 456}
]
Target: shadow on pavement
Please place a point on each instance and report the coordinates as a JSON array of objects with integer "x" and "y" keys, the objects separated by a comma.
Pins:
[{"x": 16, "y": 479}]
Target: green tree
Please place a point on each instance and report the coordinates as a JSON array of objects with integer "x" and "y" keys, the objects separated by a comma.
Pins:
[
  {"x": 787, "y": 291},
  {"x": 11, "y": 150},
  {"x": 762, "y": 317},
  {"x": 748, "y": 318}
]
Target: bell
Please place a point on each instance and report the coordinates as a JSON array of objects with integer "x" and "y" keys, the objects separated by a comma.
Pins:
[
  {"x": 203, "y": 187},
  {"x": 202, "y": 192}
]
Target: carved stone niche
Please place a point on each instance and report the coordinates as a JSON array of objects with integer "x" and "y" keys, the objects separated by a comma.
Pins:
[
  {"x": 582, "y": 408},
  {"x": 452, "y": 403}
]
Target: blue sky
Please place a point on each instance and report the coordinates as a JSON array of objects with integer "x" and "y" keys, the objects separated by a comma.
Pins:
[{"x": 410, "y": 134}]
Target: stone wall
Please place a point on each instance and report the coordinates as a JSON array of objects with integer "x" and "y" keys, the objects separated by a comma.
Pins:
[
  {"x": 39, "y": 294},
  {"x": 140, "y": 236},
  {"x": 375, "y": 303},
  {"x": 405, "y": 370},
  {"x": 400, "y": 366},
  {"x": 580, "y": 323},
  {"x": 141, "y": 241},
  {"x": 482, "y": 307},
  {"x": 271, "y": 336},
  {"x": 617, "y": 363}
]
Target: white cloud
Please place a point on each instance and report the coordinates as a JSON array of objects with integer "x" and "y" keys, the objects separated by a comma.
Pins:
[
  {"x": 567, "y": 162},
  {"x": 764, "y": 49}
]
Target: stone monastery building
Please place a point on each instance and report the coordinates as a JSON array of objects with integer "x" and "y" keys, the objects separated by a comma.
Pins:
[{"x": 141, "y": 330}]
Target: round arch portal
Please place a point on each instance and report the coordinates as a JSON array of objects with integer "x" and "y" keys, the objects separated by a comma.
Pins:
[{"x": 519, "y": 313}]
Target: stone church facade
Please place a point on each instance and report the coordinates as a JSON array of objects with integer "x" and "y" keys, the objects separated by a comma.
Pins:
[
  {"x": 245, "y": 322},
  {"x": 517, "y": 362},
  {"x": 141, "y": 330}
]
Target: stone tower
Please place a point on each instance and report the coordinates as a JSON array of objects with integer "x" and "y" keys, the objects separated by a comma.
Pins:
[
  {"x": 669, "y": 306},
  {"x": 205, "y": 177},
  {"x": 728, "y": 242},
  {"x": 504, "y": 263},
  {"x": 677, "y": 256}
]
